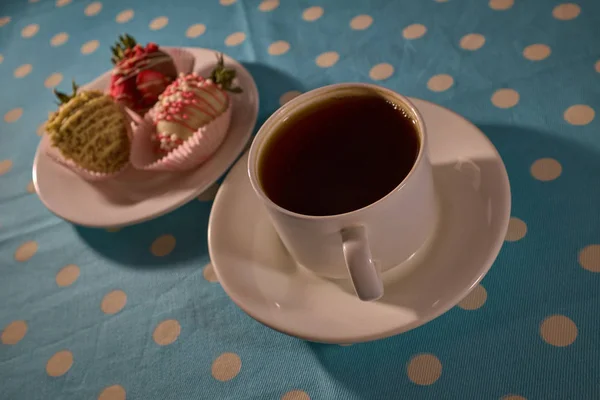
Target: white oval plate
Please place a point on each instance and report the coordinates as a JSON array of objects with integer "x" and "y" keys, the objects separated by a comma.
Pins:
[
  {"x": 137, "y": 196},
  {"x": 259, "y": 276}
]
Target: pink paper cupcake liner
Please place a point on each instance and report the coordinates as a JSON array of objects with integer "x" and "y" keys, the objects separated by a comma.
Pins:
[
  {"x": 194, "y": 151},
  {"x": 183, "y": 60},
  {"x": 86, "y": 174}
]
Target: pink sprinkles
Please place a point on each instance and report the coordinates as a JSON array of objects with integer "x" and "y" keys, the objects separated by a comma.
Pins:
[{"x": 178, "y": 100}]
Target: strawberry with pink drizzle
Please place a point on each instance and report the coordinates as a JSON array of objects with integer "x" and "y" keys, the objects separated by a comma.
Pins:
[
  {"x": 141, "y": 73},
  {"x": 189, "y": 121}
]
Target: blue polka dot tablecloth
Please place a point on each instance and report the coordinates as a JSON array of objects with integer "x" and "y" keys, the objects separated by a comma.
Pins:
[{"x": 139, "y": 314}]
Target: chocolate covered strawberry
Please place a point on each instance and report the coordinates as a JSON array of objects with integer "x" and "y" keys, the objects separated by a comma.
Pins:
[
  {"x": 123, "y": 91},
  {"x": 151, "y": 84},
  {"x": 140, "y": 73}
]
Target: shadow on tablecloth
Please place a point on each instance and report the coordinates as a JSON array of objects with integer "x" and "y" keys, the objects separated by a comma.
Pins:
[
  {"x": 272, "y": 83},
  {"x": 518, "y": 299}
]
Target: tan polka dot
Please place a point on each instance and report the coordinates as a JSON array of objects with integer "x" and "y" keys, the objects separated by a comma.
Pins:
[
  {"x": 158, "y": 23},
  {"x": 67, "y": 275},
  {"x": 361, "y": 22},
  {"x": 59, "y": 39},
  {"x": 113, "y": 230},
  {"x": 288, "y": 96},
  {"x": 278, "y": 48},
  {"x": 166, "y": 332},
  {"x": 235, "y": 39},
  {"x": 59, "y": 363},
  {"x": 26, "y": 251},
  {"x": 114, "y": 392},
  {"x": 566, "y": 11},
  {"x": 124, "y": 16},
  {"x": 5, "y": 166},
  {"x": 517, "y": 229},
  {"x": 209, "y": 273},
  {"x": 546, "y": 169},
  {"x": 41, "y": 129},
  {"x": 312, "y": 13},
  {"x": 513, "y": 397},
  {"x": 23, "y": 70},
  {"x": 558, "y": 330},
  {"x": 113, "y": 302},
  {"x": 440, "y": 83},
  {"x": 226, "y": 367},
  {"x": 505, "y": 98},
  {"x": 13, "y": 115},
  {"x": 579, "y": 114},
  {"x": 30, "y": 30},
  {"x": 424, "y": 369},
  {"x": 30, "y": 187},
  {"x": 14, "y": 332},
  {"x": 474, "y": 300},
  {"x": 53, "y": 80},
  {"x": 62, "y": 3},
  {"x": 327, "y": 59},
  {"x": 227, "y": 2},
  {"x": 589, "y": 258},
  {"x": 268, "y": 5},
  {"x": 597, "y": 66},
  {"x": 500, "y": 5},
  {"x": 195, "y": 30},
  {"x": 163, "y": 245},
  {"x": 296, "y": 395},
  {"x": 93, "y": 9},
  {"x": 4, "y": 21},
  {"x": 414, "y": 31},
  {"x": 472, "y": 41},
  {"x": 90, "y": 47},
  {"x": 536, "y": 52},
  {"x": 381, "y": 71}
]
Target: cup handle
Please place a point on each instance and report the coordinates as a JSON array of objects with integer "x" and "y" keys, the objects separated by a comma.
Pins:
[{"x": 362, "y": 269}]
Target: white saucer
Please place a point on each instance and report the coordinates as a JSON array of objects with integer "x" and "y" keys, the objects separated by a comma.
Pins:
[
  {"x": 259, "y": 276},
  {"x": 137, "y": 196}
]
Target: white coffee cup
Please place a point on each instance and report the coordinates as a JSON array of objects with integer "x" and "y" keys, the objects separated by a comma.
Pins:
[{"x": 363, "y": 243}]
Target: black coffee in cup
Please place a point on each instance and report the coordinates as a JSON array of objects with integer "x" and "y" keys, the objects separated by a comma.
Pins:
[{"x": 338, "y": 155}]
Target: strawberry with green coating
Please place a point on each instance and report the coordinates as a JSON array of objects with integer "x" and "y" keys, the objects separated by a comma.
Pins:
[{"x": 90, "y": 130}]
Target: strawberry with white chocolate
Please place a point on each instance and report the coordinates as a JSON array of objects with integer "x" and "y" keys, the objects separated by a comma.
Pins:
[
  {"x": 190, "y": 103},
  {"x": 188, "y": 123},
  {"x": 140, "y": 74}
]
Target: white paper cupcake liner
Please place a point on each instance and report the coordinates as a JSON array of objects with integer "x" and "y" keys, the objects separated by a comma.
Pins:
[
  {"x": 86, "y": 174},
  {"x": 194, "y": 151}
]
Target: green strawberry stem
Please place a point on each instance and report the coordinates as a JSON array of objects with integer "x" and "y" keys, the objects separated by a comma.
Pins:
[
  {"x": 118, "y": 50},
  {"x": 224, "y": 76},
  {"x": 64, "y": 98}
]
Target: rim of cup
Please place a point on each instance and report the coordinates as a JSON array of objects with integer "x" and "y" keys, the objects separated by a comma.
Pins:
[{"x": 318, "y": 95}]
